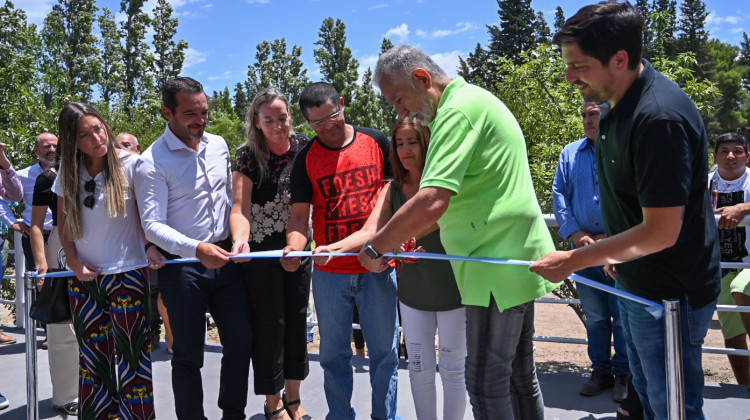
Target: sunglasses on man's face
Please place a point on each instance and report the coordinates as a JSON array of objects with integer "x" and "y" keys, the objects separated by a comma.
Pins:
[{"x": 89, "y": 187}]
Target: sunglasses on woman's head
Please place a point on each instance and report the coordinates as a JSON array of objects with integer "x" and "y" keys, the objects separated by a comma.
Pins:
[{"x": 89, "y": 187}]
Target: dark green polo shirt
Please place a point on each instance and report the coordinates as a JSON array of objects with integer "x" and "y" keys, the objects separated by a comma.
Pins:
[{"x": 652, "y": 151}]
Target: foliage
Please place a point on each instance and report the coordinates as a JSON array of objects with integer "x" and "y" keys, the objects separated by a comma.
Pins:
[
  {"x": 559, "y": 18},
  {"x": 726, "y": 76},
  {"x": 111, "y": 80},
  {"x": 168, "y": 55},
  {"x": 547, "y": 108},
  {"x": 518, "y": 31},
  {"x": 71, "y": 54},
  {"x": 274, "y": 67},
  {"x": 20, "y": 49},
  {"x": 136, "y": 56},
  {"x": 365, "y": 110},
  {"x": 337, "y": 64}
]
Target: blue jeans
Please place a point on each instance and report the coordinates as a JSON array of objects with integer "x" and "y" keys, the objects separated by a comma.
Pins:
[
  {"x": 646, "y": 344},
  {"x": 602, "y": 323},
  {"x": 375, "y": 295},
  {"x": 500, "y": 372}
]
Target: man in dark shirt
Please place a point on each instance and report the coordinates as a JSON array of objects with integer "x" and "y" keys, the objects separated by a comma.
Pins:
[{"x": 652, "y": 159}]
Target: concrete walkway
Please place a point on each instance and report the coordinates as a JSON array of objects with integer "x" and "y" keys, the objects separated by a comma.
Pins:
[{"x": 560, "y": 390}]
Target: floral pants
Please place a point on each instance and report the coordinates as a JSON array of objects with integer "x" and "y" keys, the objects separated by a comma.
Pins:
[{"x": 110, "y": 318}]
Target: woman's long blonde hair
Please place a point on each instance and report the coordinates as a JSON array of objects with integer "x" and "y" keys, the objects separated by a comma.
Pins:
[
  {"x": 256, "y": 141},
  {"x": 71, "y": 161}
]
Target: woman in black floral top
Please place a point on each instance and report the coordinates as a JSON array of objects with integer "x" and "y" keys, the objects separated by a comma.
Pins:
[{"x": 278, "y": 299}]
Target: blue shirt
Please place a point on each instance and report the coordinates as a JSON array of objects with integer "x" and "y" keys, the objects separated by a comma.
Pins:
[{"x": 575, "y": 190}]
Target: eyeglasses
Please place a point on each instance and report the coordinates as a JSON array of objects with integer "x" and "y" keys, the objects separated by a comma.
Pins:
[
  {"x": 325, "y": 121},
  {"x": 89, "y": 187}
]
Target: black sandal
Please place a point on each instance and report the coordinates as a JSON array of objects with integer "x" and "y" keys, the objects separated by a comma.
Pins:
[
  {"x": 631, "y": 404},
  {"x": 270, "y": 415},
  {"x": 288, "y": 404}
]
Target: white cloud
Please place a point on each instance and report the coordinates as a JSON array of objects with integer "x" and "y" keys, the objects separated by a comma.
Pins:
[
  {"x": 448, "y": 61},
  {"x": 440, "y": 33},
  {"x": 378, "y": 6},
  {"x": 257, "y": 1},
  {"x": 737, "y": 30},
  {"x": 713, "y": 19},
  {"x": 36, "y": 10},
  {"x": 194, "y": 57},
  {"x": 224, "y": 76},
  {"x": 401, "y": 32}
]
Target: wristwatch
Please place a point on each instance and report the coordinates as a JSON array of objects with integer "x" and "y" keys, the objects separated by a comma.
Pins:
[{"x": 371, "y": 252}]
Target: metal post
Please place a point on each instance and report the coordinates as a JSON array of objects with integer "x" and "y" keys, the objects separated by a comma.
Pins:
[
  {"x": 20, "y": 263},
  {"x": 32, "y": 403},
  {"x": 673, "y": 358}
]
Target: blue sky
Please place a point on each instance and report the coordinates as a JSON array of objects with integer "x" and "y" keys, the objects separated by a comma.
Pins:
[{"x": 222, "y": 35}]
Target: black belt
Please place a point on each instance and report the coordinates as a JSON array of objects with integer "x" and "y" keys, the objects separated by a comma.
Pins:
[{"x": 225, "y": 244}]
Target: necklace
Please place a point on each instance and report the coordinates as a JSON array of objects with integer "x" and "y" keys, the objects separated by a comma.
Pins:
[{"x": 724, "y": 186}]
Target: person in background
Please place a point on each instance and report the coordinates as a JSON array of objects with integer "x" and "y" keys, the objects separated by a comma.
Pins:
[
  {"x": 578, "y": 210},
  {"x": 45, "y": 146},
  {"x": 100, "y": 232},
  {"x": 278, "y": 298},
  {"x": 339, "y": 174},
  {"x": 183, "y": 188},
  {"x": 11, "y": 189},
  {"x": 130, "y": 142},
  {"x": 61, "y": 337},
  {"x": 730, "y": 186},
  {"x": 652, "y": 163},
  {"x": 427, "y": 290},
  {"x": 477, "y": 186}
]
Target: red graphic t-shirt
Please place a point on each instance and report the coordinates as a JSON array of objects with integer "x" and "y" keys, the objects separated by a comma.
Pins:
[{"x": 343, "y": 186}]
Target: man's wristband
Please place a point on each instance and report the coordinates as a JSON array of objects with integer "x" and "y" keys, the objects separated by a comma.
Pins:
[
  {"x": 149, "y": 245},
  {"x": 371, "y": 252}
]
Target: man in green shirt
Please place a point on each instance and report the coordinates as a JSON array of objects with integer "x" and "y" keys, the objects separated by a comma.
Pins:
[{"x": 477, "y": 186}]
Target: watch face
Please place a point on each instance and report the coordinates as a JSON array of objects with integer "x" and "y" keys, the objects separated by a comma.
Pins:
[{"x": 370, "y": 251}]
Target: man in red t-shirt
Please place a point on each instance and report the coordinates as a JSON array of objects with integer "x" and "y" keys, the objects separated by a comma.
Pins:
[{"x": 340, "y": 173}]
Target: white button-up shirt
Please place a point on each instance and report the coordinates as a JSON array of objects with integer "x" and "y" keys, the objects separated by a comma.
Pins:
[{"x": 183, "y": 194}]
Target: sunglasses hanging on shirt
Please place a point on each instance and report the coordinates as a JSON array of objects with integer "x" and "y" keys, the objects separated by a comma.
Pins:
[{"x": 89, "y": 187}]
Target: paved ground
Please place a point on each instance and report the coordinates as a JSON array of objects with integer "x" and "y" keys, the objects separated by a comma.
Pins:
[{"x": 560, "y": 390}]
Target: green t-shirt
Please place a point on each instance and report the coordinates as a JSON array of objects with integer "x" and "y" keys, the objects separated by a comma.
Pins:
[{"x": 477, "y": 151}]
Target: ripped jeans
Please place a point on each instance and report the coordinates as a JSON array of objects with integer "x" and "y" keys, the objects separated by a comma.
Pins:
[{"x": 419, "y": 331}]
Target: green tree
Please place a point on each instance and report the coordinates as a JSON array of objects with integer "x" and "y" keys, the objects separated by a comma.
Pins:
[
  {"x": 71, "y": 57},
  {"x": 365, "y": 109},
  {"x": 645, "y": 8},
  {"x": 727, "y": 76},
  {"x": 559, "y": 18},
  {"x": 541, "y": 30},
  {"x": 111, "y": 81},
  {"x": 668, "y": 25},
  {"x": 478, "y": 68},
  {"x": 518, "y": 30},
  {"x": 744, "y": 61},
  {"x": 136, "y": 56},
  {"x": 693, "y": 35},
  {"x": 224, "y": 120},
  {"x": 274, "y": 67},
  {"x": 389, "y": 112},
  {"x": 241, "y": 101},
  {"x": 168, "y": 54},
  {"x": 337, "y": 64},
  {"x": 20, "y": 49}
]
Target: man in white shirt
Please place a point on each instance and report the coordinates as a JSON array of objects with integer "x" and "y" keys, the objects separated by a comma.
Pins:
[
  {"x": 45, "y": 149},
  {"x": 182, "y": 184}
]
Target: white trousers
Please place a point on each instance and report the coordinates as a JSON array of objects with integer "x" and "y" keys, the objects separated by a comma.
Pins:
[
  {"x": 419, "y": 331},
  {"x": 62, "y": 346}
]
